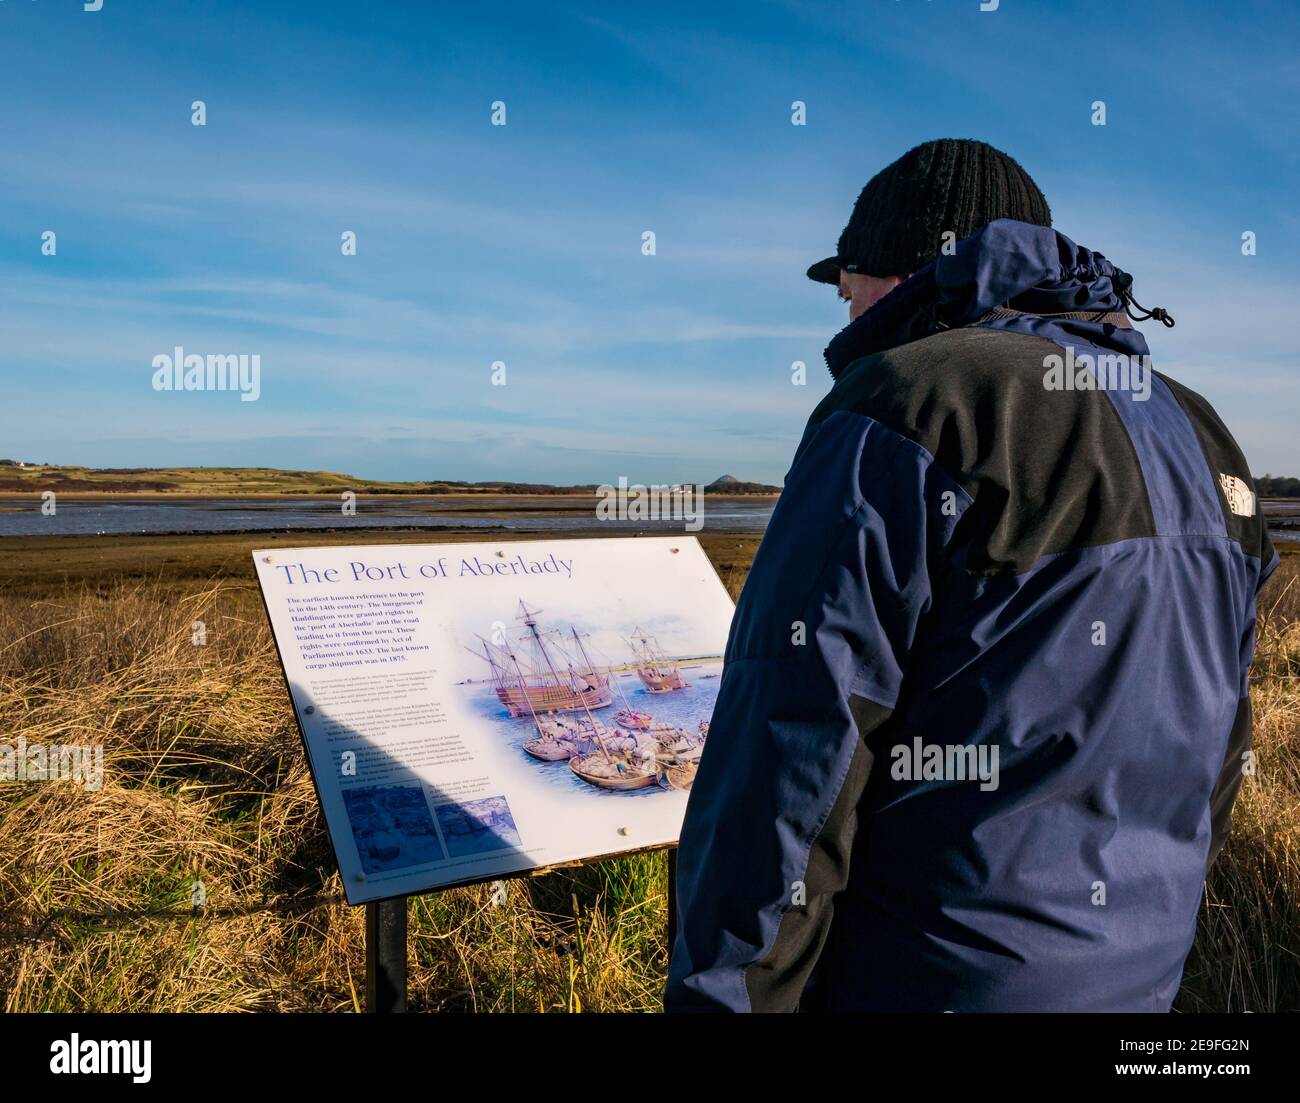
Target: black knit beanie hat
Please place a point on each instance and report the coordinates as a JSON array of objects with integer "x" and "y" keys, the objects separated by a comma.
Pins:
[{"x": 955, "y": 184}]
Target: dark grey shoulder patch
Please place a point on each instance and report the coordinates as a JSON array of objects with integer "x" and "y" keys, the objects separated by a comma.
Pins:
[{"x": 1048, "y": 470}]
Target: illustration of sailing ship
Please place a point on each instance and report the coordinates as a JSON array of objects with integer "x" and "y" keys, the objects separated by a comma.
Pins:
[
  {"x": 657, "y": 673},
  {"x": 542, "y": 674},
  {"x": 624, "y": 760},
  {"x": 657, "y": 754},
  {"x": 642, "y": 752},
  {"x": 669, "y": 737},
  {"x": 534, "y": 675},
  {"x": 630, "y": 759}
]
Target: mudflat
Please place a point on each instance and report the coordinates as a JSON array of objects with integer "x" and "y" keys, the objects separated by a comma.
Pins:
[{"x": 40, "y": 566}]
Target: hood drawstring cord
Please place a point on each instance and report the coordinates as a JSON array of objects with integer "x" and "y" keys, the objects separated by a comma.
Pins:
[{"x": 1123, "y": 286}]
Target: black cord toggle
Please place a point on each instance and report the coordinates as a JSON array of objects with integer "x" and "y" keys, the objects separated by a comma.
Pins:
[{"x": 1124, "y": 288}]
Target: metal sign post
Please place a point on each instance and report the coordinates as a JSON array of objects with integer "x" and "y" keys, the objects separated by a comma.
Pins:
[
  {"x": 672, "y": 898},
  {"x": 386, "y": 946},
  {"x": 386, "y": 956}
]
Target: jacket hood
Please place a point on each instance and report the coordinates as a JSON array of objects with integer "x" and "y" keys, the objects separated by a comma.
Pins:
[{"x": 1034, "y": 270}]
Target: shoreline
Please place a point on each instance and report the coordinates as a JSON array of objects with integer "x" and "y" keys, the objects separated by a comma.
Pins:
[
  {"x": 166, "y": 497},
  {"x": 159, "y": 496},
  {"x": 42, "y": 567}
]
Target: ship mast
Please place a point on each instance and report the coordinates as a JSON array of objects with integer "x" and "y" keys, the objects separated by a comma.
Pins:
[
  {"x": 577, "y": 638},
  {"x": 498, "y": 675},
  {"x": 613, "y": 680},
  {"x": 647, "y": 653},
  {"x": 595, "y": 727},
  {"x": 528, "y": 616},
  {"x": 523, "y": 689},
  {"x": 610, "y": 677}
]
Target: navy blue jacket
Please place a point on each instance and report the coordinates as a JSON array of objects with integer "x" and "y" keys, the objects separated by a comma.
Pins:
[{"x": 984, "y": 710}]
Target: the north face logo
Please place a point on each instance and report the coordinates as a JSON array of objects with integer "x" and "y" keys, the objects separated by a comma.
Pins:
[{"x": 1241, "y": 499}]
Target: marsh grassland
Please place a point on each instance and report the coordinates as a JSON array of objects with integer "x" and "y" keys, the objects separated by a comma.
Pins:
[{"x": 206, "y": 779}]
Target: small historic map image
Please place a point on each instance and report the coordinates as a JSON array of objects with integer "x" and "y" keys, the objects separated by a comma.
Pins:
[
  {"x": 392, "y": 827},
  {"x": 478, "y": 826}
]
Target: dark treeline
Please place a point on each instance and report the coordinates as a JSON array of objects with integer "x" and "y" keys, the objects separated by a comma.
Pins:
[{"x": 1277, "y": 486}]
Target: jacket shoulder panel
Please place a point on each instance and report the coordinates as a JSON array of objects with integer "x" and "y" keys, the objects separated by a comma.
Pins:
[{"x": 1049, "y": 470}]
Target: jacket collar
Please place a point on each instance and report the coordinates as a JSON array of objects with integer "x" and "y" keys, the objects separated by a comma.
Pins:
[{"x": 1033, "y": 269}]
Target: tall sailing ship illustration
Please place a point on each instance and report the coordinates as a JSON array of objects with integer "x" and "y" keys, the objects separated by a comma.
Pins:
[
  {"x": 657, "y": 673},
  {"x": 538, "y": 674},
  {"x": 542, "y": 672}
]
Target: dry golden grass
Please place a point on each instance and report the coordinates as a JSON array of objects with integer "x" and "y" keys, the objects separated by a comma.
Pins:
[
  {"x": 1247, "y": 952},
  {"x": 206, "y": 779}
]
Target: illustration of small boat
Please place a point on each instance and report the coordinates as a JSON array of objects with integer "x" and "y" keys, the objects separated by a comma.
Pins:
[
  {"x": 627, "y": 760},
  {"x": 610, "y": 771},
  {"x": 550, "y": 749},
  {"x": 657, "y": 673},
  {"x": 644, "y": 722},
  {"x": 558, "y": 739},
  {"x": 680, "y": 742},
  {"x": 677, "y": 775}
]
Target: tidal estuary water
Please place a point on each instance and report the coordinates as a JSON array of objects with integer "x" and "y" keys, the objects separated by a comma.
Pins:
[{"x": 22, "y": 516}]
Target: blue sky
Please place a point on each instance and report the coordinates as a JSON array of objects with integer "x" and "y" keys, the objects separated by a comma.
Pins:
[{"x": 522, "y": 243}]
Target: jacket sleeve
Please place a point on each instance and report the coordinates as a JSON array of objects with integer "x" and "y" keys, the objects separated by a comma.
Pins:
[
  {"x": 815, "y": 661},
  {"x": 1240, "y": 737}
]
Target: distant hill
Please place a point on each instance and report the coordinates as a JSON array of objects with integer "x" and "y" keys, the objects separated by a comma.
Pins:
[
  {"x": 19, "y": 477},
  {"x": 729, "y": 484}
]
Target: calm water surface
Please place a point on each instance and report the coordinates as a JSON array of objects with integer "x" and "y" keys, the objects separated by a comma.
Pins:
[{"x": 23, "y": 517}]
